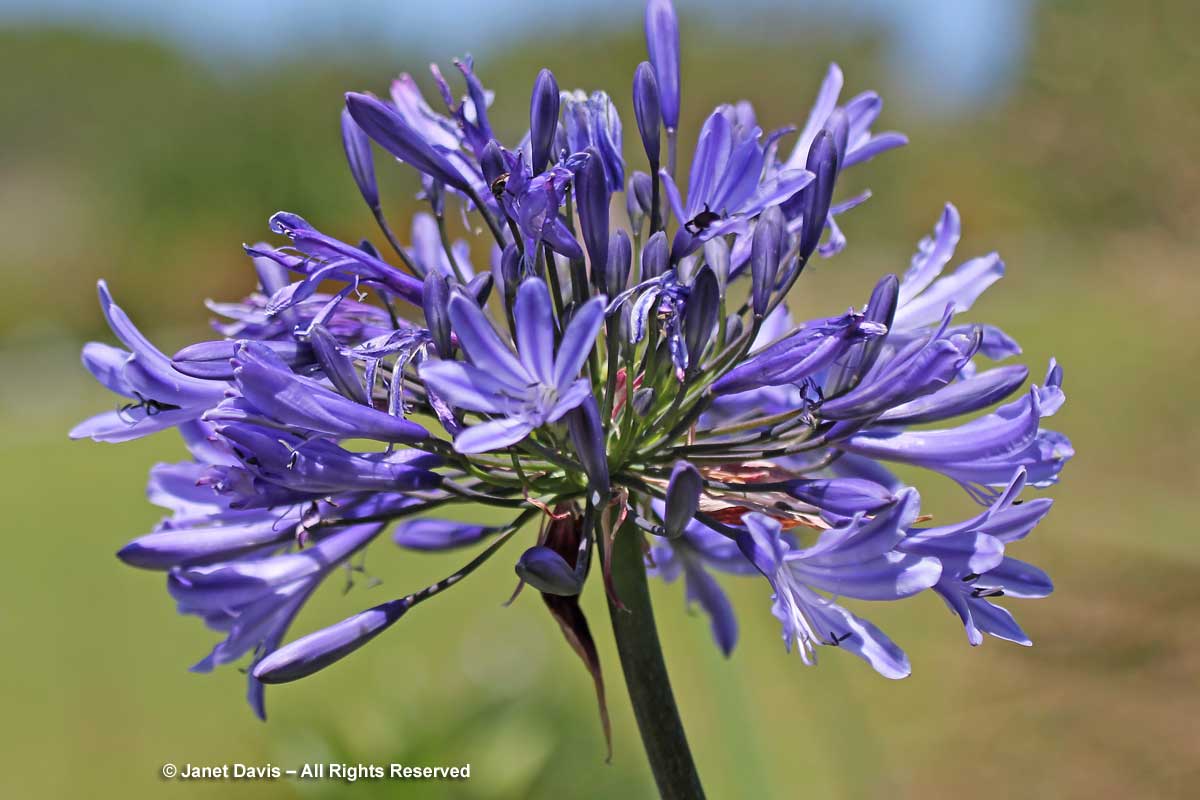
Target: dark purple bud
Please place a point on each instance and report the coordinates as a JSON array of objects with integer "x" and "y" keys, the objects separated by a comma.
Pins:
[
  {"x": 638, "y": 193},
  {"x": 845, "y": 496},
  {"x": 491, "y": 163},
  {"x": 510, "y": 271},
  {"x": 683, "y": 498},
  {"x": 716, "y": 255},
  {"x": 620, "y": 259},
  {"x": 543, "y": 119},
  {"x": 964, "y": 396},
  {"x": 210, "y": 360},
  {"x": 564, "y": 536},
  {"x": 370, "y": 249},
  {"x": 480, "y": 287},
  {"x": 646, "y": 110},
  {"x": 662, "y": 42},
  {"x": 547, "y": 571},
  {"x": 389, "y": 129},
  {"x": 165, "y": 549},
  {"x": 337, "y": 366},
  {"x": 822, "y": 162},
  {"x": 316, "y": 651},
  {"x": 591, "y": 190},
  {"x": 700, "y": 315},
  {"x": 881, "y": 308},
  {"x": 587, "y": 434},
  {"x": 643, "y": 399},
  {"x": 436, "y": 301},
  {"x": 439, "y": 534},
  {"x": 358, "y": 153},
  {"x": 764, "y": 258},
  {"x": 655, "y": 255},
  {"x": 919, "y": 369}
]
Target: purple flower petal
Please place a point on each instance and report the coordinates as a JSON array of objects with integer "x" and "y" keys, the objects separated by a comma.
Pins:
[
  {"x": 466, "y": 386},
  {"x": 439, "y": 534},
  {"x": 703, "y": 588},
  {"x": 316, "y": 651},
  {"x": 577, "y": 341},
  {"x": 683, "y": 498},
  {"x": 494, "y": 435},
  {"x": 535, "y": 329},
  {"x": 547, "y": 571},
  {"x": 393, "y": 133},
  {"x": 482, "y": 344},
  {"x": 933, "y": 254},
  {"x": 297, "y": 401}
]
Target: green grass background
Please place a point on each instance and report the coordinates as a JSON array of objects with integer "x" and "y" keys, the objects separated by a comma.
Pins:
[{"x": 124, "y": 160}]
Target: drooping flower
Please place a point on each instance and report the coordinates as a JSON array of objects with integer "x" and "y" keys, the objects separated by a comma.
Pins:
[
  {"x": 975, "y": 569},
  {"x": 858, "y": 560},
  {"x": 164, "y": 396},
  {"x": 691, "y": 555}
]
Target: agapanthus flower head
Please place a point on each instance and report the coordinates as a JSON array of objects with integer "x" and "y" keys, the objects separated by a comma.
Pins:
[{"x": 633, "y": 375}]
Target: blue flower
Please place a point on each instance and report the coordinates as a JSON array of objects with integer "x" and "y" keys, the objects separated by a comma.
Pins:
[
  {"x": 533, "y": 203},
  {"x": 160, "y": 396},
  {"x": 517, "y": 392},
  {"x": 727, "y": 186},
  {"x": 857, "y": 560},
  {"x": 254, "y": 600},
  {"x": 975, "y": 568}
]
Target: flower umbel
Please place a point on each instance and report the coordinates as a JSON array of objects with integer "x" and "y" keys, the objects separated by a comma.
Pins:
[{"x": 632, "y": 376}]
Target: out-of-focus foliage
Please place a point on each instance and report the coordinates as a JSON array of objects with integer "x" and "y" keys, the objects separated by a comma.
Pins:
[{"x": 122, "y": 159}]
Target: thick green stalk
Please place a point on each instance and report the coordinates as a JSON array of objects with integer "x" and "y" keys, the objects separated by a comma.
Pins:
[{"x": 646, "y": 674}]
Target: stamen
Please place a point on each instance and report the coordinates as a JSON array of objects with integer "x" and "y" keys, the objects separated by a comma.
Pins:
[{"x": 836, "y": 641}]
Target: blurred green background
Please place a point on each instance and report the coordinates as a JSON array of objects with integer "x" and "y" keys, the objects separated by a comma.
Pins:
[{"x": 125, "y": 156}]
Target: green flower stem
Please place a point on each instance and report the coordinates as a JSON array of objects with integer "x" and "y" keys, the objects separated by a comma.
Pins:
[{"x": 646, "y": 674}]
